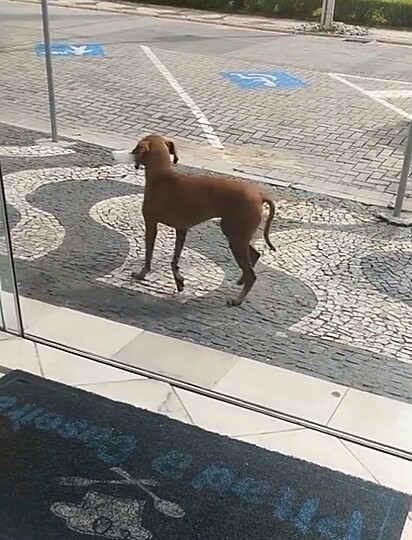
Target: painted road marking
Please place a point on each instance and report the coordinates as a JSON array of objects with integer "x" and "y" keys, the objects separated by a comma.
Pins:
[
  {"x": 69, "y": 49},
  {"x": 204, "y": 123},
  {"x": 377, "y": 95},
  {"x": 252, "y": 80},
  {"x": 361, "y": 77},
  {"x": 391, "y": 94}
]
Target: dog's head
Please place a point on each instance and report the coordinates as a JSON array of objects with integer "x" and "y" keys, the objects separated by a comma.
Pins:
[{"x": 153, "y": 143}]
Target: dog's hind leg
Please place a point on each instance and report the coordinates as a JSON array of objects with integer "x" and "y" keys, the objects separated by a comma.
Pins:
[
  {"x": 254, "y": 256},
  {"x": 179, "y": 243},
  {"x": 150, "y": 238},
  {"x": 242, "y": 256}
]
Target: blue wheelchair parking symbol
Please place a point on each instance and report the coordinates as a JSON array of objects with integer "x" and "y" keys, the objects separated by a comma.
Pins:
[
  {"x": 70, "y": 49},
  {"x": 253, "y": 80}
]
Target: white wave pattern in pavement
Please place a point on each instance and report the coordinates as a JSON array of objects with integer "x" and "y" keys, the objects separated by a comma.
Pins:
[
  {"x": 123, "y": 214},
  {"x": 38, "y": 232},
  {"x": 36, "y": 150},
  {"x": 314, "y": 248},
  {"x": 349, "y": 310}
]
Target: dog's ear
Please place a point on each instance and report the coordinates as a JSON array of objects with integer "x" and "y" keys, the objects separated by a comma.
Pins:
[{"x": 172, "y": 151}]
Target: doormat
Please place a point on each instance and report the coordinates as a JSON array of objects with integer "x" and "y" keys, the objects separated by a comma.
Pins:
[{"x": 76, "y": 466}]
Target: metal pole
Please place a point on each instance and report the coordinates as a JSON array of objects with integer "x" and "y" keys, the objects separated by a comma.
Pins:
[
  {"x": 330, "y": 13},
  {"x": 323, "y": 14},
  {"x": 49, "y": 70},
  {"x": 406, "y": 167}
]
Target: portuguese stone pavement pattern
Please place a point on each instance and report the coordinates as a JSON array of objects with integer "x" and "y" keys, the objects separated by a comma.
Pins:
[{"x": 334, "y": 302}]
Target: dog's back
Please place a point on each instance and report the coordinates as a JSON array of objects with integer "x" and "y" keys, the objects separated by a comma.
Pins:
[{"x": 192, "y": 199}]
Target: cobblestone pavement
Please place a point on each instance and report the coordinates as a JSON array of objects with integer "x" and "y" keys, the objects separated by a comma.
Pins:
[
  {"x": 344, "y": 133},
  {"x": 334, "y": 302}
]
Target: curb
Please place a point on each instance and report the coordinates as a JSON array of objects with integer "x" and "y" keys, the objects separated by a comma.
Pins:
[
  {"x": 258, "y": 27},
  {"x": 404, "y": 220}
]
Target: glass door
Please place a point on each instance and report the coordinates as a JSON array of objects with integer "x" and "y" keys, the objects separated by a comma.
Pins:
[{"x": 10, "y": 314}]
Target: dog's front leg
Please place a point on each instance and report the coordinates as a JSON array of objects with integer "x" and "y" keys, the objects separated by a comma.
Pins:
[
  {"x": 150, "y": 237},
  {"x": 179, "y": 243}
]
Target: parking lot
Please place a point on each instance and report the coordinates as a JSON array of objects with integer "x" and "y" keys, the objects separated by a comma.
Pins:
[{"x": 293, "y": 108}]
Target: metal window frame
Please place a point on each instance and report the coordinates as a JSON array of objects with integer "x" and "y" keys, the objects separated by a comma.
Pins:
[{"x": 10, "y": 261}]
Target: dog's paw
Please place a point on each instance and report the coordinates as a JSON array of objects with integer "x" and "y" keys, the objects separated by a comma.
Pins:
[
  {"x": 180, "y": 286},
  {"x": 233, "y": 302},
  {"x": 139, "y": 275}
]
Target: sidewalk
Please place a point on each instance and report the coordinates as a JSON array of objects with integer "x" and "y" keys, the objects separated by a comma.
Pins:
[
  {"x": 333, "y": 303},
  {"x": 381, "y": 35}
]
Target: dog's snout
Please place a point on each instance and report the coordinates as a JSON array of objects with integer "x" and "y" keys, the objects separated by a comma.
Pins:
[{"x": 136, "y": 165}]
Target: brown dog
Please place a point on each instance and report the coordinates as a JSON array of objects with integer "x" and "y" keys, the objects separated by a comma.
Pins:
[{"x": 182, "y": 201}]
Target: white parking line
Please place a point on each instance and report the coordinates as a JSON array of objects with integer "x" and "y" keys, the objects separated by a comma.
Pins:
[
  {"x": 388, "y": 94},
  {"x": 371, "y": 94},
  {"x": 204, "y": 123},
  {"x": 362, "y": 77}
]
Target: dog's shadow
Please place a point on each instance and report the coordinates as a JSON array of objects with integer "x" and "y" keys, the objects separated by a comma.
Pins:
[
  {"x": 90, "y": 251},
  {"x": 277, "y": 299}
]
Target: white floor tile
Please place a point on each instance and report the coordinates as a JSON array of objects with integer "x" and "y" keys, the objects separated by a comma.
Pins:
[
  {"x": 84, "y": 332},
  {"x": 174, "y": 408},
  {"x": 374, "y": 417},
  {"x": 19, "y": 354},
  {"x": 314, "y": 447},
  {"x": 283, "y": 390},
  {"x": 5, "y": 335},
  {"x": 388, "y": 470},
  {"x": 155, "y": 396},
  {"x": 228, "y": 419},
  {"x": 74, "y": 370},
  {"x": 177, "y": 358},
  {"x": 233, "y": 421},
  {"x": 33, "y": 311}
]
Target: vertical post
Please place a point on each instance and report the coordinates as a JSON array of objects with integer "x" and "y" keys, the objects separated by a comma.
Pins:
[
  {"x": 406, "y": 167},
  {"x": 330, "y": 13},
  {"x": 323, "y": 13},
  {"x": 49, "y": 70}
]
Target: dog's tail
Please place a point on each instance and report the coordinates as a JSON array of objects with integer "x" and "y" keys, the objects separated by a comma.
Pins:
[{"x": 269, "y": 220}]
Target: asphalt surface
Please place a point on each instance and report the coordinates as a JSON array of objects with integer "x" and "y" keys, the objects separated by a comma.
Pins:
[{"x": 304, "y": 52}]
